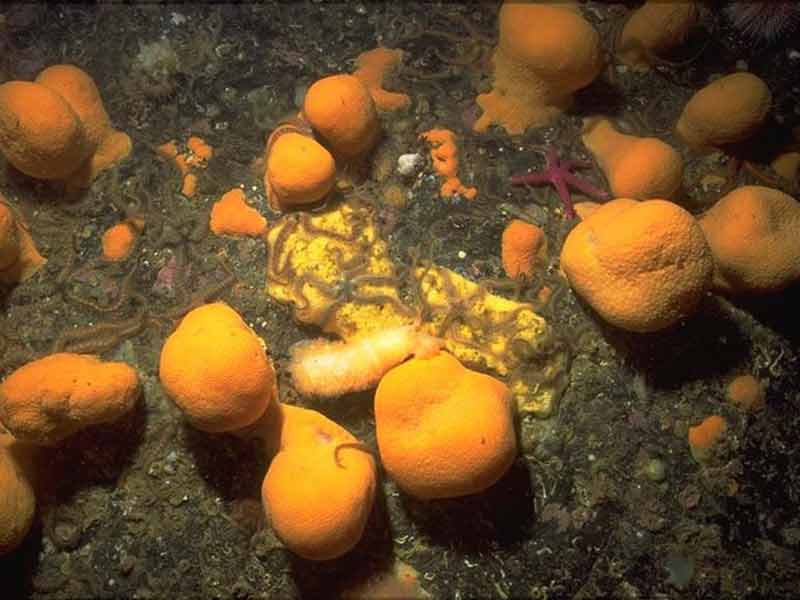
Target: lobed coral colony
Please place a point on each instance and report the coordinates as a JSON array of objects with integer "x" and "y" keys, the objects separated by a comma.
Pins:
[{"x": 469, "y": 348}]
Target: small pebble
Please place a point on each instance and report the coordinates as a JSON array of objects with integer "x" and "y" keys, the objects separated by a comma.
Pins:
[
  {"x": 127, "y": 564},
  {"x": 408, "y": 164},
  {"x": 655, "y": 470}
]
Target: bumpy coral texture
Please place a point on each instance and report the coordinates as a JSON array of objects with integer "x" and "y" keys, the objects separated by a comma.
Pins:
[
  {"x": 642, "y": 266},
  {"x": 320, "y": 487},
  {"x": 216, "y": 369},
  {"x": 546, "y": 52},
  {"x": 51, "y": 398},
  {"x": 426, "y": 444}
]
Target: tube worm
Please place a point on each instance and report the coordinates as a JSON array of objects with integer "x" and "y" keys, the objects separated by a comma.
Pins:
[{"x": 331, "y": 368}]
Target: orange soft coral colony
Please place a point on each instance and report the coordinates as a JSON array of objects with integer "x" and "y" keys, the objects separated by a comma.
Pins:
[
  {"x": 299, "y": 171},
  {"x": 231, "y": 215},
  {"x": 19, "y": 258},
  {"x": 320, "y": 487},
  {"x": 53, "y": 397},
  {"x": 444, "y": 154},
  {"x": 545, "y": 54},
  {"x": 81, "y": 93},
  {"x": 372, "y": 68},
  {"x": 17, "y": 501},
  {"x": 443, "y": 430},
  {"x": 635, "y": 167},
  {"x": 342, "y": 112},
  {"x": 523, "y": 246},
  {"x": 216, "y": 369},
  {"x": 642, "y": 266},
  {"x": 653, "y": 30},
  {"x": 754, "y": 236},
  {"x": 728, "y": 110}
]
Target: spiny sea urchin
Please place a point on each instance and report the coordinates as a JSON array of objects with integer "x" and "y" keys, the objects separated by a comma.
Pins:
[{"x": 764, "y": 21}]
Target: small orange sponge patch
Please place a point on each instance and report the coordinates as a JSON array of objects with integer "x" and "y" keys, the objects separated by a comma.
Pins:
[
  {"x": 373, "y": 66},
  {"x": 746, "y": 393},
  {"x": 523, "y": 245},
  {"x": 118, "y": 240},
  {"x": 231, "y": 215},
  {"x": 196, "y": 155},
  {"x": 704, "y": 438},
  {"x": 444, "y": 153}
]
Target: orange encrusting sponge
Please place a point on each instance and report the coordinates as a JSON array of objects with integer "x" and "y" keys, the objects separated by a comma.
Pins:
[
  {"x": 342, "y": 113},
  {"x": 81, "y": 93},
  {"x": 746, "y": 393},
  {"x": 56, "y": 127},
  {"x": 53, "y": 397},
  {"x": 635, "y": 167},
  {"x": 217, "y": 370},
  {"x": 444, "y": 153},
  {"x": 372, "y": 68},
  {"x": 754, "y": 236},
  {"x": 19, "y": 258},
  {"x": 705, "y": 437},
  {"x": 427, "y": 444},
  {"x": 320, "y": 486},
  {"x": 546, "y": 52},
  {"x": 728, "y": 110},
  {"x": 231, "y": 215},
  {"x": 642, "y": 266},
  {"x": 654, "y": 29},
  {"x": 17, "y": 501},
  {"x": 196, "y": 156},
  {"x": 523, "y": 245},
  {"x": 118, "y": 240}
]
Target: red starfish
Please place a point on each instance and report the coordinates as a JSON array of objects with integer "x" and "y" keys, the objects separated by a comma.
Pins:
[{"x": 559, "y": 174}]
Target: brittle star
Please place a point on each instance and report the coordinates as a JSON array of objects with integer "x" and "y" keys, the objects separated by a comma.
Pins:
[{"x": 559, "y": 174}]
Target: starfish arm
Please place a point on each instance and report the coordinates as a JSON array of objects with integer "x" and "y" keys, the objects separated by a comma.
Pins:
[
  {"x": 563, "y": 193},
  {"x": 586, "y": 187},
  {"x": 531, "y": 179}
]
